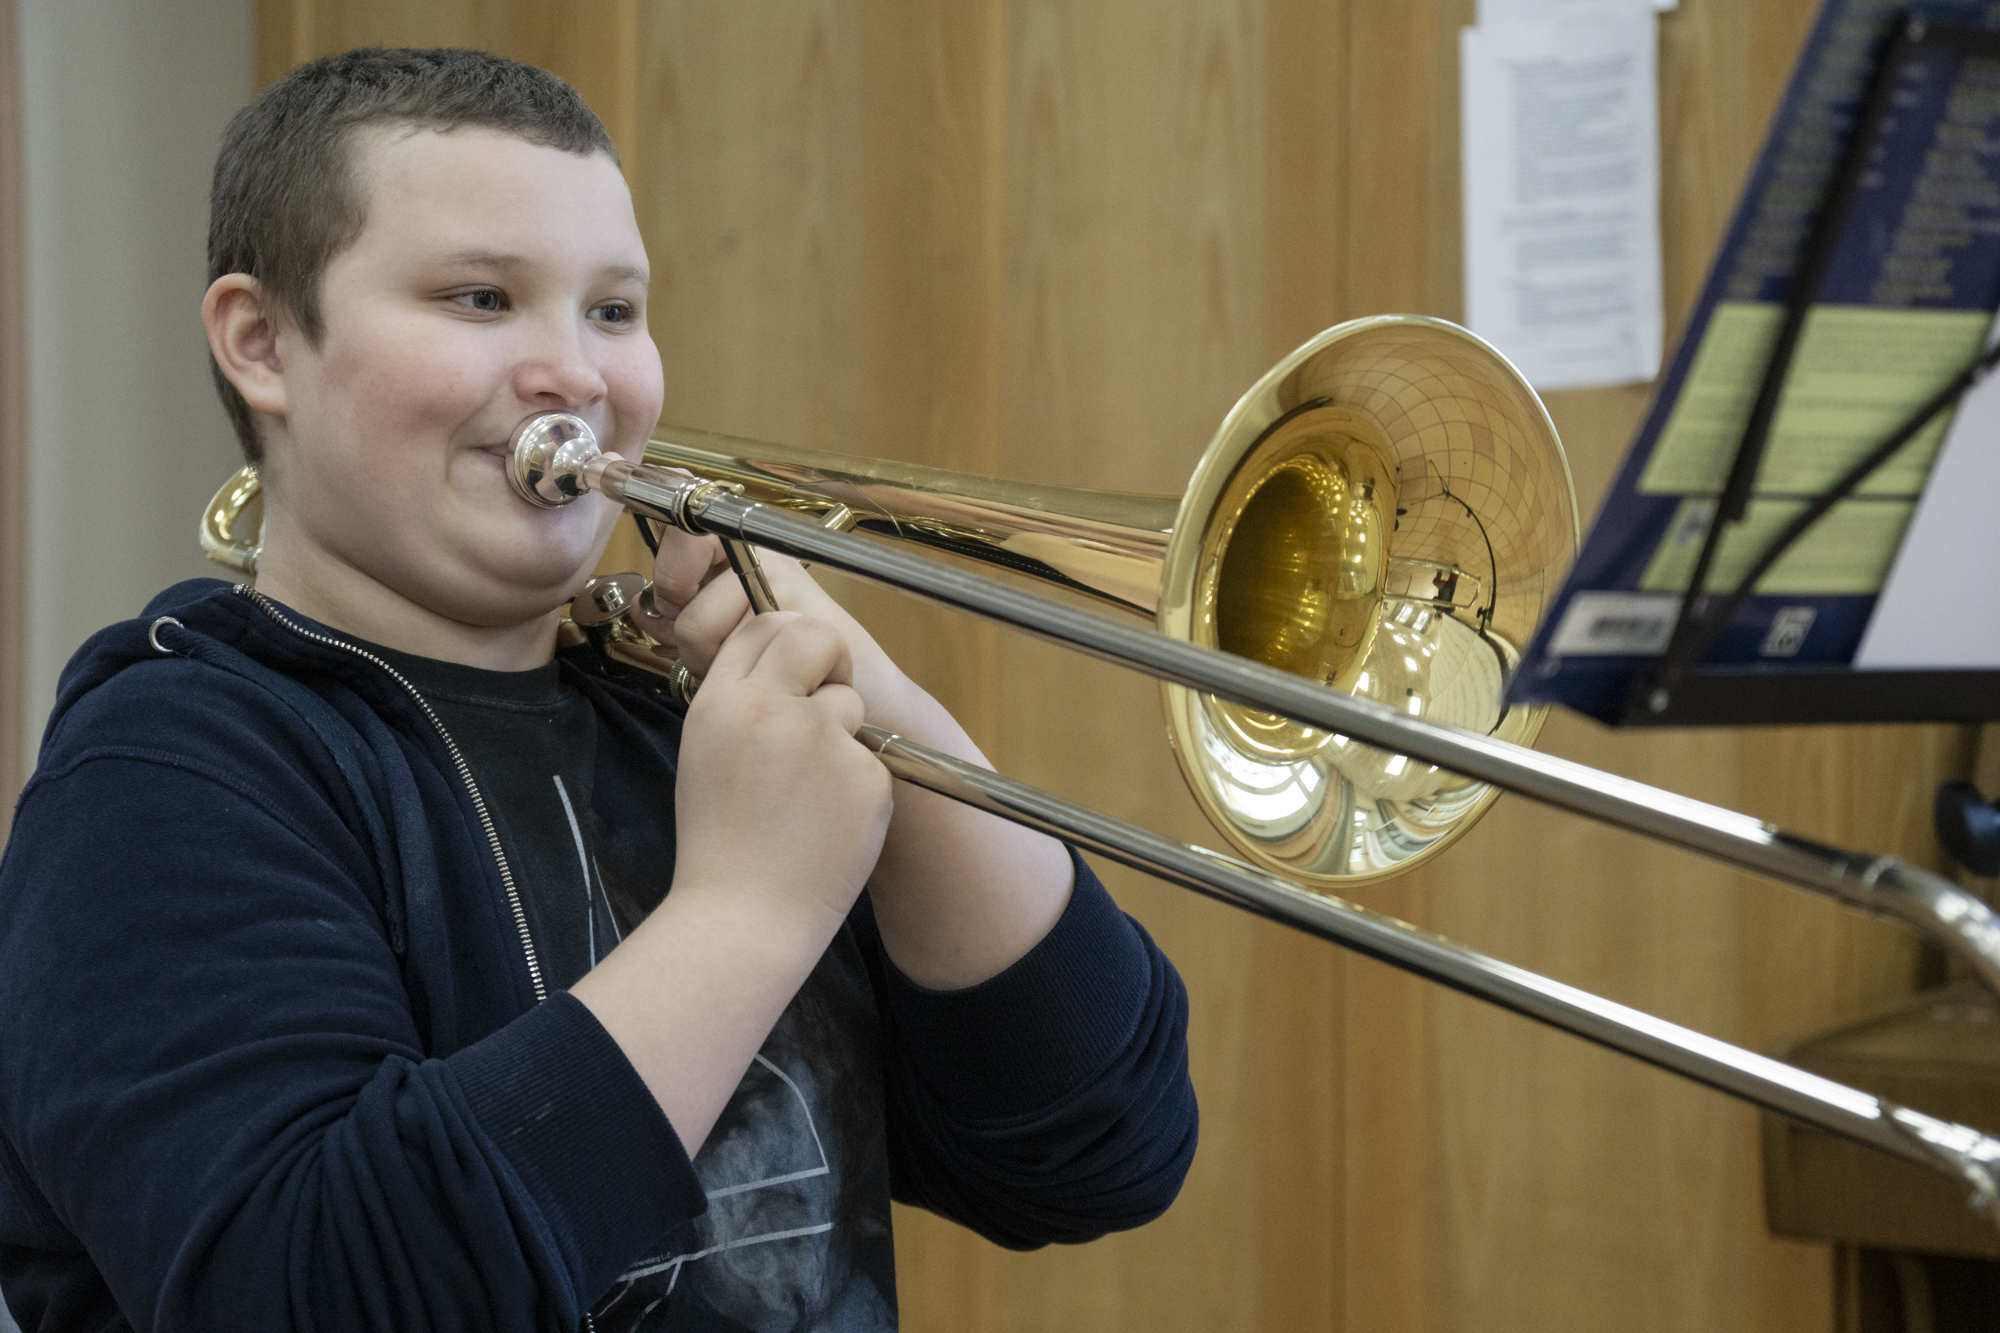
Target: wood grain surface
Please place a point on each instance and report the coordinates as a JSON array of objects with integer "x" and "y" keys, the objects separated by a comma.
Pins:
[{"x": 1055, "y": 239}]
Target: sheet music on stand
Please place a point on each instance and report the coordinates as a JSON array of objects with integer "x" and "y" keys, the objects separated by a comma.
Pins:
[{"x": 1858, "y": 279}]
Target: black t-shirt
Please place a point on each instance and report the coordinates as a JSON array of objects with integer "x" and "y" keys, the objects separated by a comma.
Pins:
[
  {"x": 578, "y": 779},
  {"x": 531, "y": 740}
]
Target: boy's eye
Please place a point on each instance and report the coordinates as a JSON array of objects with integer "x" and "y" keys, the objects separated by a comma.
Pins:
[
  {"x": 485, "y": 300},
  {"x": 613, "y": 312}
]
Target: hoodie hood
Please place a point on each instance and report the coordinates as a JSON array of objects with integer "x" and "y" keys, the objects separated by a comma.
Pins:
[{"x": 198, "y": 619}]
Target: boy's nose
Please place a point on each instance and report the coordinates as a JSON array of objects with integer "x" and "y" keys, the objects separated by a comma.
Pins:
[{"x": 560, "y": 377}]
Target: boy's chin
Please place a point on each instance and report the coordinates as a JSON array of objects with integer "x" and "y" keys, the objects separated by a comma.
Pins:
[
  {"x": 493, "y": 603},
  {"x": 548, "y": 557},
  {"x": 497, "y": 588}
]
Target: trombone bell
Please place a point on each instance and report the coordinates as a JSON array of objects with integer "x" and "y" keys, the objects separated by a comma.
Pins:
[{"x": 1442, "y": 504}]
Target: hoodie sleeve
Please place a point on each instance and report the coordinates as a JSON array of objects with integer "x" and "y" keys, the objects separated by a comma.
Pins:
[
  {"x": 216, "y": 1085},
  {"x": 1051, "y": 1102}
]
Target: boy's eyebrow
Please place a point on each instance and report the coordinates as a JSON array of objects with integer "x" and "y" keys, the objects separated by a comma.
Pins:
[
  {"x": 484, "y": 259},
  {"x": 503, "y": 261}
]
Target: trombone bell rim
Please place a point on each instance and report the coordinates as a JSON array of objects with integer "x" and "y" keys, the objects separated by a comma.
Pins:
[{"x": 1436, "y": 406}]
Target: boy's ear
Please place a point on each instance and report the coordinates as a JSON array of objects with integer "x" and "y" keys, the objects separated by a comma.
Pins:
[{"x": 243, "y": 335}]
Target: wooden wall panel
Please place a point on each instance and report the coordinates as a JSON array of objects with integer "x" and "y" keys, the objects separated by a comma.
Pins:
[
  {"x": 1130, "y": 150},
  {"x": 1056, "y": 240}
]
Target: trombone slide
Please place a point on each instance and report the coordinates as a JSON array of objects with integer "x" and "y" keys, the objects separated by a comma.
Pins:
[{"x": 1880, "y": 884}]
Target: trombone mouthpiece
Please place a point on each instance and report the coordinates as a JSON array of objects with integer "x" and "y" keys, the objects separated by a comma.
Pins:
[{"x": 548, "y": 459}]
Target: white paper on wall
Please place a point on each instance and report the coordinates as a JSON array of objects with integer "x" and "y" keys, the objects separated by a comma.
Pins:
[
  {"x": 1560, "y": 109},
  {"x": 1500, "y": 11}
]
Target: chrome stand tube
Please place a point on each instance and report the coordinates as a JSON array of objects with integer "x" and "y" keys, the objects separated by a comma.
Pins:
[{"x": 1967, "y": 1155}]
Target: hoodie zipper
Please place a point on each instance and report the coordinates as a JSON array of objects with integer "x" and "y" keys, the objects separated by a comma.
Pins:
[{"x": 270, "y": 608}]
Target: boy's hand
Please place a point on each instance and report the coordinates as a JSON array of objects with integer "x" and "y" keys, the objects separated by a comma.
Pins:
[
  {"x": 780, "y": 799},
  {"x": 702, "y": 604},
  {"x": 959, "y": 895}
]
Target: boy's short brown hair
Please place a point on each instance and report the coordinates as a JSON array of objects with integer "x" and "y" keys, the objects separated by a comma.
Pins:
[{"x": 284, "y": 200}]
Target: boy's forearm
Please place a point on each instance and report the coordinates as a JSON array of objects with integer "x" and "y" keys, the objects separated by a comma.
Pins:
[
  {"x": 692, "y": 993},
  {"x": 960, "y": 895}
]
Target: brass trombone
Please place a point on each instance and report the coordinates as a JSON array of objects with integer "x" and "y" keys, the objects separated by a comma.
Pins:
[{"x": 1374, "y": 533}]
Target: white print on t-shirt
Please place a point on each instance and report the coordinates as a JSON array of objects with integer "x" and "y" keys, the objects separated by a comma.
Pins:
[
  {"x": 755, "y": 1171},
  {"x": 583, "y": 861}
]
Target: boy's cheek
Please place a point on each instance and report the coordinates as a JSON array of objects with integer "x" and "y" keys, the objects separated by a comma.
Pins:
[{"x": 638, "y": 392}]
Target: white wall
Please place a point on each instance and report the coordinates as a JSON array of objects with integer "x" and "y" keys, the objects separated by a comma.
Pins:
[{"x": 123, "y": 101}]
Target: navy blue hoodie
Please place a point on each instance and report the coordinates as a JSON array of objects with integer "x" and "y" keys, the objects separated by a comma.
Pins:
[{"x": 272, "y": 1056}]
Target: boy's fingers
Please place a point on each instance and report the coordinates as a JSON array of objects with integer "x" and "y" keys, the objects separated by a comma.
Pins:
[
  {"x": 710, "y": 619},
  {"x": 786, "y": 652},
  {"x": 684, "y": 564},
  {"x": 721, "y": 606},
  {"x": 738, "y": 654},
  {"x": 844, "y": 703},
  {"x": 804, "y": 655}
]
